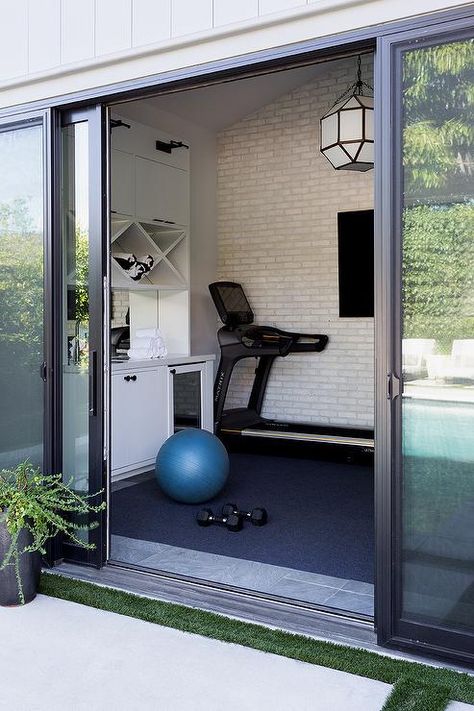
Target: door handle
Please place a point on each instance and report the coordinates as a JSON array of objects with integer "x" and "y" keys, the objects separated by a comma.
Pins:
[
  {"x": 44, "y": 371},
  {"x": 393, "y": 386},
  {"x": 93, "y": 383}
]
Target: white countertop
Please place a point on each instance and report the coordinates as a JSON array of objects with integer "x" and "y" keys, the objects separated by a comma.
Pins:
[{"x": 171, "y": 359}]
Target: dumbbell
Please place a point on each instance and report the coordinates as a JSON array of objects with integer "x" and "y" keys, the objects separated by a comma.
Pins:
[
  {"x": 257, "y": 517},
  {"x": 232, "y": 522}
]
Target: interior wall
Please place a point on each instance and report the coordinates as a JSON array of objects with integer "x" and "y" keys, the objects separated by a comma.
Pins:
[
  {"x": 203, "y": 199},
  {"x": 119, "y": 304},
  {"x": 278, "y": 200}
]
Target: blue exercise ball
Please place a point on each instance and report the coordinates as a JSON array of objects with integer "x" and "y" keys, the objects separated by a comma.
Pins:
[{"x": 192, "y": 466}]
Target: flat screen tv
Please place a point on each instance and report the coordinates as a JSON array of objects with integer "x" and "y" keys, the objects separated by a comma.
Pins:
[{"x": 356, "y": 263}]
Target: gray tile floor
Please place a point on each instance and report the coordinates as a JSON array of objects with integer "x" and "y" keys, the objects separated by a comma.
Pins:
[{"x": 350, "y": 595}]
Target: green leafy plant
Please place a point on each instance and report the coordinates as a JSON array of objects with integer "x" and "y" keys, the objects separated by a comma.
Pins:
[
  {"x": 438, "y": 272},
  {"x": 44, "y": 506},
  {"x": 438, "y": 103}
]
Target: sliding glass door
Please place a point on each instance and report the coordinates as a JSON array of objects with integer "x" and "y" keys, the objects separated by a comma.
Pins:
[
  {"x": 81, "y": 225},
  {"x": 23, "y": 308},
  {"x": 426, "y": 569}
]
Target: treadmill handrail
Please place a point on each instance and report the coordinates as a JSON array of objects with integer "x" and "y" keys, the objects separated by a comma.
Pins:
[{"x": 320, "y": 342}]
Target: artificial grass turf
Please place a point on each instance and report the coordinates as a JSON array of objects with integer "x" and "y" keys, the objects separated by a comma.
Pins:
[
  {"x": 410, "y": 694},
  {"x": 417, "y": 687}
]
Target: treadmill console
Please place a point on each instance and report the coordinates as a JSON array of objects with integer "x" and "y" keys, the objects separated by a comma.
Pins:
[{"x": 231, "y": 303}]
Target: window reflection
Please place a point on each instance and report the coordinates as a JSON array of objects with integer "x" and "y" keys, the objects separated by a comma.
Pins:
[
  {"x": 438, "y": 336},
  {"x": 75, "y": 333},
  {"x": 21, "y": 296}
]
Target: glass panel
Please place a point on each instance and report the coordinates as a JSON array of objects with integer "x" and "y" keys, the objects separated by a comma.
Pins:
[
  {"x": 187, "y": 400},
  {"x": 75, "y": 332},
  {"x": 438, "y": 337},
  {"x": 369, "y": 125},
  {"x": 21, "y": 295},
  {"x": 329, "y": 130},
  {"x": 350, "y": 127},
  {"x": 366, "y": 154},
  {"x": 336, "y": 156}
]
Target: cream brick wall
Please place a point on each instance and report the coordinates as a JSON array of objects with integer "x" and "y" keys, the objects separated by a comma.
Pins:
[
  {"x": 278, "y": 199},
  {"x": 119, "y": 304}
]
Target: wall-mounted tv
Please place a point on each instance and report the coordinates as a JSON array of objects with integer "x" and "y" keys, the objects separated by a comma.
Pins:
[{"x": 356, "y": 263}]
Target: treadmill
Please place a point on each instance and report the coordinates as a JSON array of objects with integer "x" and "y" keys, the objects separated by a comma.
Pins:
[{"x": 240, "y": 338}]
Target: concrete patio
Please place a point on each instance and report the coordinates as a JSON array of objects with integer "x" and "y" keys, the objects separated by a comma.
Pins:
[{"x": 59, "y": 655}]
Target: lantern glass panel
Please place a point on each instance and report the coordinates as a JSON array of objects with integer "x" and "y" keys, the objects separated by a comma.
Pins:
[
  {"x": 352, "y": 148},
  {"x": 369, "y": 125},
  {"x": 334, "y": 109},
  {"x": 336, "y": 156},
  {"x": 329, "y": 130},
  {"x": 352, "y": 103},
  {"x": 367, "y": 101},
  {"x": 366, "y": 154},
  {"x": 351, "y": 125}
]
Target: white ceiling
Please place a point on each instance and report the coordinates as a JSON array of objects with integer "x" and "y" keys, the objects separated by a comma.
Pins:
[{"x": 220, "y": 105}]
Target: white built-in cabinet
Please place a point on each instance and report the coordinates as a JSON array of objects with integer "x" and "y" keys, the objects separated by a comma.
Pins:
[
  {"x": 153, "y": 400},
  {"x": 150, "y": 214},
  {"x": 150, "y": 206},
  {"x": 139, "y": 418},
  {"x": 123, "y": 183},
  {"x": 161, "y": 191}
]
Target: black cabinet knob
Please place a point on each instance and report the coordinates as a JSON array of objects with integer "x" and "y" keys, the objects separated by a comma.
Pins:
[{"x": 129, "y": 378}]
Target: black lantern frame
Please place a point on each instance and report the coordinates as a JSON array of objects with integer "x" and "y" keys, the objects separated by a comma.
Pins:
[{"x": 341, "y": 150}]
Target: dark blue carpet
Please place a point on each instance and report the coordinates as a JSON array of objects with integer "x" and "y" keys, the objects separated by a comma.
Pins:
[{"x": 320, "y": 516}]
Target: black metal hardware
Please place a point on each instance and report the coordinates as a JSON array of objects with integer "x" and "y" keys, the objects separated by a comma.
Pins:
[
  {"x": 93, "y": 383},
  {"x": 44, "y": 371},
  {"x": 115, "y": 123},
  {"x": 129, "y": 378},
  {"x": 169, "y": 146},
  {"x": 165, "y": 222},
  {"x": 173, "y": 371}
]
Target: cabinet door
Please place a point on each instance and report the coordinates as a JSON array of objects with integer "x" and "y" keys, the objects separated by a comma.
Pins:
[
  {"x": 122, "y": 178},
  {"x": 162, "y": 192},
  {"x": 190, "y": 397},
  {"x": 139, "y": 418}
]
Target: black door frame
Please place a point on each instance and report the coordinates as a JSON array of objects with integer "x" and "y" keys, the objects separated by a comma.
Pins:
[
  {"x": 286, "y": 57},
  {"x": 95, "y": 116},
  {"x": 392, "y": 630}
]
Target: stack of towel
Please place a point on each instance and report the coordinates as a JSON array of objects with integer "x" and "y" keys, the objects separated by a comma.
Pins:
[{"x": 147, "y": 343}]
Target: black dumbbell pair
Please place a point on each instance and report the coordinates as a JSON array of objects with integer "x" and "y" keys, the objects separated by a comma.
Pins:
[{"x": 232, "y": 518}]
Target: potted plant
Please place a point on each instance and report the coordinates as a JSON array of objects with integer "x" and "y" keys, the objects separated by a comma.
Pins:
[{"x": 35, "y": 507}]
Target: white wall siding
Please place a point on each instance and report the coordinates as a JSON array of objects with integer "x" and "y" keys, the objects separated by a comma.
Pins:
[
  {"x": 151, "y": 21},
  {"x": 113, "y": 22},
  {"x": 77, "y": 30},
  {"x": 227, "y": 12},
  {"x": 13, "y": 38},
  {"x": 107, "y": 41},
  {"x": 190, "y": 17},
  {"x": 44, "y": 34},
  {"x": 268, "y": 6},
  {"x": 278, "y": 200}
]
